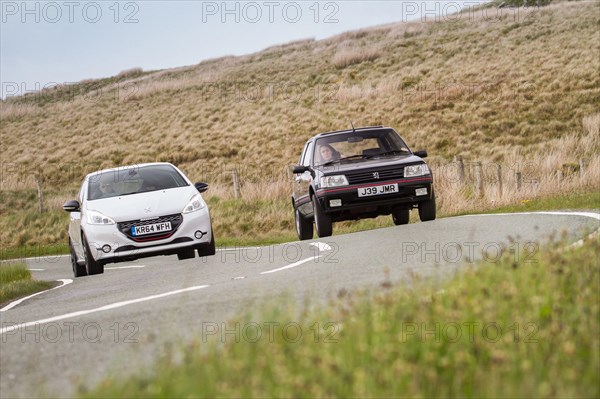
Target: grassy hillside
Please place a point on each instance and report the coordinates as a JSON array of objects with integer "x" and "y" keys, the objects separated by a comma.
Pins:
[{"x": 521, "y": 90}]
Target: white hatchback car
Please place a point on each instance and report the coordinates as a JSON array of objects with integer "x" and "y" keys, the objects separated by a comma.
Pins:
[{"x": 134, "y": 212}]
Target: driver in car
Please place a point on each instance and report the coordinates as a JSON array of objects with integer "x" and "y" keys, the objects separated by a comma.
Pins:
[
  {"x": 106, "y": 190},
  {"x": 328, "y": 153}
]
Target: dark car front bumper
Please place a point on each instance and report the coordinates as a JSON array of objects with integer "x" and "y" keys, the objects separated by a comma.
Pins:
[{"x": 355, "y": 207}]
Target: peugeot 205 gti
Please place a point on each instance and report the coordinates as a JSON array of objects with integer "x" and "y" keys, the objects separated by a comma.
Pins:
[
  {"x": 359, "y": 173},
  {"x": 134, "y": 212}
]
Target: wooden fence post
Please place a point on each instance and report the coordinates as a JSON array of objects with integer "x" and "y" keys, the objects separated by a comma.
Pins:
[
  {"x": 40, "y": 195},
  {"x": 518, "y": 180},
  {"x": 461, "y": 169},
  {"x": 478, "y": 179},
  {"x": 560, "y": 176},
  {"x": 499, "y": 177},
  {"x": 236, "y": 184},
  {"x": 581, "y": 167}
]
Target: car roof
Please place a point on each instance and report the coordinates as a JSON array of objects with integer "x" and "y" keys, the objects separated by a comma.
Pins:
[
  {"x": 358, "y": 129},
  {"x": 125, "y": 167}
]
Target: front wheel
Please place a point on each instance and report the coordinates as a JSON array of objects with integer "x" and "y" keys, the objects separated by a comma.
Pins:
[
  {"x": 187, "y": 253},
  {"x": 304, "y": 226},
  {"x": 92, "y": 266},
  {"x": 400, "y": 216},
  {"x": 78, "y": 270},
  {"x": 211, "y": 249},
  {"x": 427, "y": 209},
  {"x": 323, "y": 223}
]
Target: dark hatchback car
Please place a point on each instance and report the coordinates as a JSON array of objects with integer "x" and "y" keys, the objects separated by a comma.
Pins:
[{"x": 356, "y": 174}]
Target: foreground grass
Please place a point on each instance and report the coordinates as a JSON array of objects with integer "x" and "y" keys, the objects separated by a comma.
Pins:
[
  {"x": 512, "y": 329},
  {"x": 17, "y": 282}
]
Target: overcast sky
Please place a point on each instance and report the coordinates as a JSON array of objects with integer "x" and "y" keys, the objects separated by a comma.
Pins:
[{"x": 49, "y": 42}]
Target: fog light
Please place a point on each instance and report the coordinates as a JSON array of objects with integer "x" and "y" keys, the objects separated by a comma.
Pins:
[
  {"x": 199, "y": 234},
  {"x": 106, "y": 249},
  {"x": 335, "y": 202},
  {"x": 421, "y": 191}
]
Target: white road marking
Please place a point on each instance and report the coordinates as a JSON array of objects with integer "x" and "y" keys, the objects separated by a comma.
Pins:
[
  {"x": 36, "y": 270},
  {"x": 593, "y": 215},
  {"x": 236, "y": 248},
  {"x": 576, "y": 244},
  {"x": 100, "y": 309},
  {"x": 125, "y": 267},
  {"x": 292, "y": 265},
  {"x": 18, "y": 301},
  {"x": 239, "y": 278},
  {"x": 321, "y": 246}
]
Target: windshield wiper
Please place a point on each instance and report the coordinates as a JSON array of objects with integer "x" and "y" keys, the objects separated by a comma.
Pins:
[
  {"x": 383, "y": 154},
  {"x": 357, "y": 156},
  {"x": 122, "y": 195}
]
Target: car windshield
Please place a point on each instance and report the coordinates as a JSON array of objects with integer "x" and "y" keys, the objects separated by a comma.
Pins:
[
  {"x": 134, "y": 180},
  {"x": 352, "y": 146}
]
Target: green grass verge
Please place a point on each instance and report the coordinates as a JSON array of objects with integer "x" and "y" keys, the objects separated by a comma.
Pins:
[
  {"x": 573, "y": 201},
  {"x": 509, "y": 329},
  {"x": 17, "y": 282},
  {"x": 27, "y": 251}
]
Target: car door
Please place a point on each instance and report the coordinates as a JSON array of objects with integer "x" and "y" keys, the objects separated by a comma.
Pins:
[{"x": 302, "y": 182}]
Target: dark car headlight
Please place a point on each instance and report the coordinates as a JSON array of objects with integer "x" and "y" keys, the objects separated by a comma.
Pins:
[
  {"x": 416, "y": 170},
  {"x": 333, "y": 181}
]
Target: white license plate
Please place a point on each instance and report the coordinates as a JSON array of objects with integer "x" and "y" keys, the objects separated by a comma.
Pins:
[
  {"x": 150, "y": 228},
  {"x": 378, "y": 190}
]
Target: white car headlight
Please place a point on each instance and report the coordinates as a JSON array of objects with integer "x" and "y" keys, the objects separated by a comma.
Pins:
[
  {"x": 195, "y": 204},
  {"x": 416, "y": 170},
  {"x": 94, "y": 217},
  {"x": 334, "y": 181}
]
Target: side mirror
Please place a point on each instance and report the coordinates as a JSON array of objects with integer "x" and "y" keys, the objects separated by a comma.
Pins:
[
  {"x": 421, "y": 153},
  {"x": 299, "y": 169},
  {"x": 201, "y": 187},
  {"x": 71, "y": 206}
]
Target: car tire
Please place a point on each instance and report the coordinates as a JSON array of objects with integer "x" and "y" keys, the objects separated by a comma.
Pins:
[
  {"x": 187, "y": 253},
  {"x": 304, "y": 226},
  {"x": 323, "y": 223},
  {"x": 78, "y": 270},
  {"x": 427, "y": 209},
  {"x": 400, "y": 216},
  {"x": 91, "y": 266},
  {"x": 211, "y": 249}
]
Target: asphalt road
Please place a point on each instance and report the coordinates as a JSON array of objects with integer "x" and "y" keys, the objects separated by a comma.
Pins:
[{"x": 70, "y": 338}]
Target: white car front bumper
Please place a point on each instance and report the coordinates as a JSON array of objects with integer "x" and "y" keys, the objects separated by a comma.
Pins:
[{"x": 109, "y": 244}]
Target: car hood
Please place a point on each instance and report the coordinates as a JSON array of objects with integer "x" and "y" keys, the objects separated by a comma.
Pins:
[
  {"x": 370, "y": 163},
  {"x": 144, "y": 205}
]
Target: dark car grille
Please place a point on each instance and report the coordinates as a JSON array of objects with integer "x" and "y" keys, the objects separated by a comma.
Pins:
[
  {"x": 370, "y": 177},
  {"x": 176, "y": 220}
]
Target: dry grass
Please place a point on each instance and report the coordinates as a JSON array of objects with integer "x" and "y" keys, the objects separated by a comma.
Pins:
[
  {"x": 348, "y": 57},
  {"x": 512, "y": 91},
  {"x": 10, "y": 111}
]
